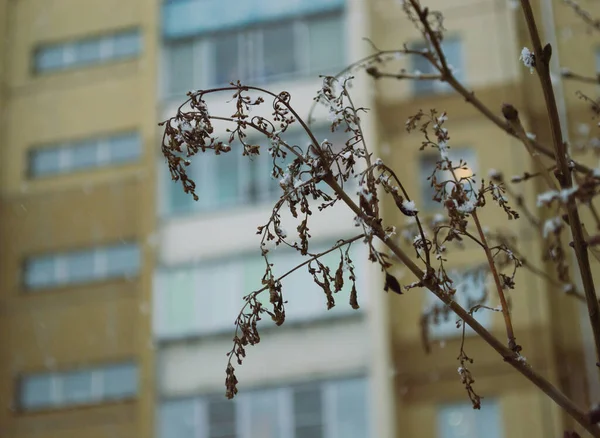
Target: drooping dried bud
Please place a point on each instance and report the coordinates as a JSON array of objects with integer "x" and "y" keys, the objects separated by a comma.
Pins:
[
  {"x": 392, "y": 283},
  {"x": 510, "y": 113}
]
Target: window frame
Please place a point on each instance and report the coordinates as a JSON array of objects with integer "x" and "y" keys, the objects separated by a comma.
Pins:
[
  {"x": 238, "y": 267},
  {"x": 60, "y": 276},
  {"x": 107, "y": 54},
  {"x": 97, "y": 387},
  {"x": 284, "y": 397},
  {"x": 104, "y": 156},
  {"x": 446, "y": 329},
  {"x": 251, "y": 54},
  {"x": 437, "y": 87}
]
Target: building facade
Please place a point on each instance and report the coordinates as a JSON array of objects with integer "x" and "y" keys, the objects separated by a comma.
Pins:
[{"x": 118, "y": 292}]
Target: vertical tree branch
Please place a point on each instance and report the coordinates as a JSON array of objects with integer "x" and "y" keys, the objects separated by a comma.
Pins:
[{"x": 542, "y": 66}]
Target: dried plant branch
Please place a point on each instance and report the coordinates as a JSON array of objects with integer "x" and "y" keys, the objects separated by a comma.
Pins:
[
  {"x": 568, "y": 74},
  {"x": 583, "y": 14},
  {"x": 510, "y": 334},
  {"x": 563, "y": 174}
]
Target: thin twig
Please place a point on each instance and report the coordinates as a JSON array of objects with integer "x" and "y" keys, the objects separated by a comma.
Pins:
[{"x": 510, "y": 334}]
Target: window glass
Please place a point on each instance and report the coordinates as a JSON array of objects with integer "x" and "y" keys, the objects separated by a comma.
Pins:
[
  {"x": 221, "y": 419},
  {"x": 308, "y": 410},
  {"x": 126, "y": 44},
  {"x": 326, "y": 44},
  {"x": 80, "y": 266},
  {"x": 470, "y": 289},
  {"x": 279, "y": 55},
  {"x": 428, "y": 162},
  {"x": 228, "y": 177},
  {"x": 265, "y": 411},
  {"x": 84, "y": 154},
  {"x": 87, "y": 51},
  {"x": 453, "y": 52},
  {"x": 120, "y": 381},
  {"x": 37, "y": 392},
  {"x": 77, "y": 387},
  {"x": 351, "y": 408},
  {"x": 123, "y": 260},
  {"x": 179, "y": 309},
  {"x": 40, "y": 271},
  {"x": 49, "y": 58},
  {"x": 226, "y": 59},
  {"x": 180, "y": 67},
  {"x": 125, "y": 148},
  {"x": 460, "y": 420},
  {"x": 45, "y": 162},
  {"x": 177, "y": 419}
]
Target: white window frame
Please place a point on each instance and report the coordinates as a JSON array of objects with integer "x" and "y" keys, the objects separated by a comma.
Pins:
[
  {"x": 60, "y": 278},
  {"x": 69, "y": 54},
  {"x": 285, "y": 420},
  {"x": 97, "y": 389},
  {"x": 103, "y": 158},
  {"x": 251, "y": 57}
]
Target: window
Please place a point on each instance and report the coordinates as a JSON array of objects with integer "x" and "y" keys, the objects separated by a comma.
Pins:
[
  {"x": 331, "y": 409},
  {"x": 230, "y": 180},
  {"x": 203, "y": 299},
  {"x": 454, "y": 57},
  {"x": 460, "y": 420},
  {"x": 299, "y": 47},
  {"x": 87, "y": 51},
  {"x": 78, "y": 387},
  {"x": 428, "y": 162},
  {"x": 470, "y": 290},
  {"x": 84, "y": 155},
  {"x": 76, "y": 267}
]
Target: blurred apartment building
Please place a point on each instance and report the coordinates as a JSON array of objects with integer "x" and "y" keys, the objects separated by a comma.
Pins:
[{"x": 119, "y": 292}]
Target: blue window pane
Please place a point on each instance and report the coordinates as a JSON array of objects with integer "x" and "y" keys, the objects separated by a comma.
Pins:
[
  {"x": 125, "y": 148},
  {"x": 221, "y": 419},
  {"x": 177, "y": 419},
  {"x": 36, "y": 392},
  {"x": 126, "y": 44},
  {"x": 326, "y": 45},
  {"x": 228, "y": 177},
  {"x": 80, "y": 266},
  {"x": 120, "y": 381},
  {"x": 308, "y": 410},
  {"x": 123, "y": 260},
  {"x": 179, "y": 201},
  {"x": 462, "y": 421},
  {"x": 226, "y": 64},
  {"x": 265, "y": 411},
  {"x": 87, "y": 51},
  {"x": 45, "y": 162},
  {"x": 49, "y": 58},
  {"x": 178, "y": 307},
  {"x": 84, "y": 154},
  {"x": 351, "y": 408},
  {"x": 77, "y": 387},
  {"x": 40, "y": 272},
  {"x": 279, "y": 54},
  {"x": 180, "y": 67}
]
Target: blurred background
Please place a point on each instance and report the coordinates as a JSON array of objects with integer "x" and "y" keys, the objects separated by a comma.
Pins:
[{"x": 119, "y": 292}]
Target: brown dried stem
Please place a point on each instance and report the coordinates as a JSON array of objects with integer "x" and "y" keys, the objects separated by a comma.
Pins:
[
  {"x": 510, "y": 334},
  {"x": 508, "y": 354}
]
